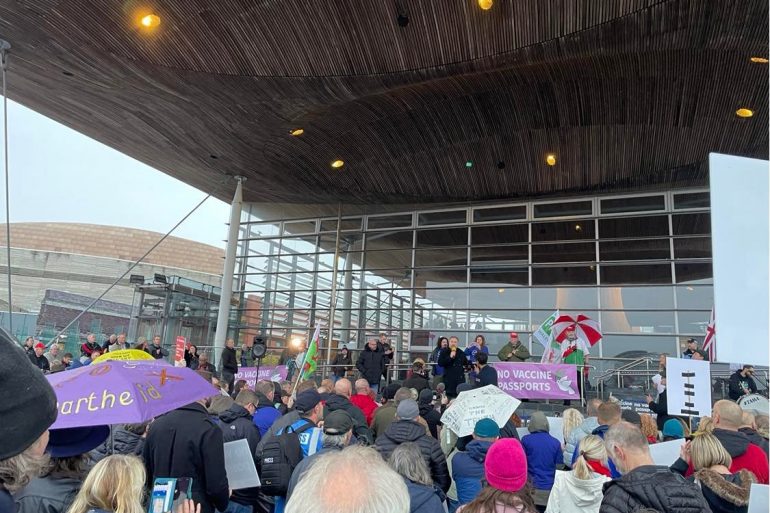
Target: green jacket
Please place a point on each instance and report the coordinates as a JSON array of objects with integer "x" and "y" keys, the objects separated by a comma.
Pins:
[{"x": 509, "y": 354}]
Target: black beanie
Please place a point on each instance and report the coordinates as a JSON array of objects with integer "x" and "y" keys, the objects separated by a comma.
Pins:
[{"x": 28, "y": 407}]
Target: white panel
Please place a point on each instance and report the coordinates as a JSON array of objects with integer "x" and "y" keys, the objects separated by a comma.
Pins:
[{"x": 739, "y": 227}]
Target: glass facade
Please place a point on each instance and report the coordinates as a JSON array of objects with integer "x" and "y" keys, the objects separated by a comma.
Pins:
[{"x": 640, "y": 264}]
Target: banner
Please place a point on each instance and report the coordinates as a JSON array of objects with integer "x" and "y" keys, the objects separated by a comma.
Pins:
[
  {"x": 538, "y": 380},
  {"x": 179, "y": 354},
  {"x": 543, "y": 334},
  {"x": 266, "y": 373}
]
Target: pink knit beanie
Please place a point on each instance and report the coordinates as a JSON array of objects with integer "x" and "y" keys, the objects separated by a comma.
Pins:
[{"x": 506, "y": 465}]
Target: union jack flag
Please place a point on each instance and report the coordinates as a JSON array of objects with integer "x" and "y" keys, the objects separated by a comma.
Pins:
[{"x": 709, "y": 342}]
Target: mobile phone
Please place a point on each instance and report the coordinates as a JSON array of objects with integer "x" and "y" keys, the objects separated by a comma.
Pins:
[{"x": 168, "y": 492}]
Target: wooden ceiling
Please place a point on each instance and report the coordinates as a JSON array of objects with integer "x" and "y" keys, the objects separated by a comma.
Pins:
[{"x": 628, "y": 94}]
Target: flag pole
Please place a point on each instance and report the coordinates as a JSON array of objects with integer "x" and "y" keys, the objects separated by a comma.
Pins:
[{"x": 302, "y": 366}]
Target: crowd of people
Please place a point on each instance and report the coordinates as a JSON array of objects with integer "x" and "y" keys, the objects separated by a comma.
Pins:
[{"x": 351, "y": 446}]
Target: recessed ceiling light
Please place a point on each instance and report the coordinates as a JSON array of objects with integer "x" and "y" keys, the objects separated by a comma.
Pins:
[
  {"x": 150, "y": 20},
  {"x": 338, "y": 164},
  {"x": 468, "y": 163},
  {"x": 297, "y": 131},
  {"x": 759, "y": 60},
  {"x": 486, "y": 4},
  {"x": 744, "y": 113},
  {"x": 550, "y": 159}
]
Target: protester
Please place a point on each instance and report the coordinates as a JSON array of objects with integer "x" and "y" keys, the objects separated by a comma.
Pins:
[
  {"x": 308, "y": 399},
  {"x": 342, "y": 363},
  {"x": 580, "y": 491},
  {"x": 29, "y": 345},
  {"x": 363, "y": 400},
  {"x": 724, "y": 491},
  {"x": 186, "y": 443},
  {"x": 119, "y": 344},
  {"x": 388, "y": 353},
  {"x": 471, "y": 353},
  {"x": 385, "y": 414},
  {"x": 608, "y": 414},
  {"x": 38, "y": 360},
  {"x": 124, "y": 439},
  {"x": 157, "y": 351},
  {"x": 438, "y": 370},
  {"x": 59, "y": 482},
  {"x": 701, "y": 355},
  {"x": 454, "y": 362},
  {"x": 590, "y": 422},
  {"x": 115, "y": 484},
  {"x": 485, "y": 374},
  {"x": 66, "y": 360},
  {"x": 418, "y": 380},
  {"x": 219, "y": 404},
  {"x": 191, "y": 357},
  {"x": 672, "y": 430},
  {"x": 353, "y": 480},
  {"x": 371, "y": 364},
  {"x": 643, "y": 484},
  {"x": 89, "y": 345},
  {"x": 575, "y": 352},
  {"x": 468, "y": 466},
  {"x": 53, "y": 354},
  {"x": 204, "y": 365},
  {"x": 266, "y": 413},
  {"x": 661, "y": 365},
  {"x": 763, "y": 426},
  {"x": 728, "y": 417},
  {"x": 428, "y": 411},
  {"x": 340, "y": 400},
  {"x": 749, "y": 428},
  {"x": 229, "y": 363},
  {"x": 649, "y": 428},
  {"x": 742, "y": 383},
  {"x": 692, "y": 347},
  {"x": 406, "y": 429},
  {"x": 571, "y": 420},
  {"x": 631, "y": 417},
  {"x": 237, "y": 387},
  {"x": 247, "y": 352},
  {"x": 424, "y": 496},
  {"x": 141, "y": 345},
  {"x": 544, "y": 453},
  {"x": 705, "y": 425},
  {"x": 506, "y": 474},
  {"x": 27, "y": 410},
  {"x": 514, "y": 350},
  {"x": 659, "y": 407}
]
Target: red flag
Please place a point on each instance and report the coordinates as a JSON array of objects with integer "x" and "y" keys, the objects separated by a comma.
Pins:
[{"x": 709, "y": 342}]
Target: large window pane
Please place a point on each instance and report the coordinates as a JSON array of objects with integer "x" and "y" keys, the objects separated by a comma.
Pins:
[
  {"x": 445, "y": 217},
  {"x": 566, "y": 252},
  {"x": 692, "y": 200},
  {"x": 500, "y": 255},
  {"x": 564, "y": 298},
  {"x": 395, "y": 258},
  {"x": 691, "y": 224},
  {"x": 389, "y": 240},
  {"x": 445, "y": 298},
  {"x": 299, "y": 227},
  {"x": 263, "y": 229},
  {"x": 349, "y": 224},
  {"x": 635, "y": 346},
  {"x": 578, "y": 229},
  {"x": 564, "y": 208},
  {"x": 640, "y": 249},
  {"x": 695, "y": 297},
  {"x": 442, "y": 237},
  {"x": 499, "y": 234},
  {"x": 583, "y": 275},
  {"x": 638, "y": 204},
  {"x": 694, "y": 273},
  {"x": 633, "y": 274},
  {"x": 510, "y": 297},
  {"x": 517, "y": 276},
  {"x": 637, "y": 298},
  {"x": 394, "y": 221},
  {"x": 637, "y": 322},
  {"x": 629, "y": 227},
  {"x": 442, "y": 256},
  {"x": 693, "y": 323},
  {"x": 499, "y": 214},
  {"x": 440, "y": 278},
  {"x": 696, "y": 247}
]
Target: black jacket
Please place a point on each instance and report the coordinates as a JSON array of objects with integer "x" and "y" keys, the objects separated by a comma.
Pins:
[
  {"x": 157, "y": 352},
  {"x": 360, "y": 427},
  {"x": 186, "y": 443},
  {"x": 454, "y": 369},
  {"x": 738, "y": 383},
  {"x": 41, "y": 362},
  {"x": 236, "y": 424},
  {"x": 47, "y": 495},
  {"x": 417, "y": 381},
  {"x": 660, "y": 408},
  {"x": 725, "y": 493},
  {"x": 424, "y": 499},
  {"x": 486, "y": 376},
  {"x": 755, "y": 438},
  {"x": 340, "y": 359},
  {"x": 401, "y": 431},
  {"x": 123, "y": 442},
  {"x": 229, "y": 361},
  {"x": 432, "y": 417},
  {"x": 653, "y": 487},
  {"x": 371, "y": 364}
]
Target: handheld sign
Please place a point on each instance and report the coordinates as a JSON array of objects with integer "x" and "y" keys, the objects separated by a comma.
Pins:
[
  {"x": 239, "y": 465},
  {"x": 688, "y": 383}
]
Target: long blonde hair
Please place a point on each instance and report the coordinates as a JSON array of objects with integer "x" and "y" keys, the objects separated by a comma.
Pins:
[
  {"x": 571, "y": 418},
  {"x": 115, "y": 484},
  {"x": 590, "y": 447}
]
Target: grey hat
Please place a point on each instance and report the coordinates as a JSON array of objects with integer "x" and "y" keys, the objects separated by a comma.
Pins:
[
  {"x": 538, "y": 422},
  {"x": 408, "y": 410}
]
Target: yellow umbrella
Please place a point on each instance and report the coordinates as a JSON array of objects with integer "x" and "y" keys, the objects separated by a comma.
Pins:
[{"x": 124, "y": 354}]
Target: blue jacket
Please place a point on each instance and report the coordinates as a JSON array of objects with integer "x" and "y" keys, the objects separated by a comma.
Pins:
[
  {"x": 264, "y": 417},
  {"x": 543, "y": 454},
  {"x": 599, "y": 431},
  {"x": 424, "y": 499},
  {"x": 468, "y": 470}
]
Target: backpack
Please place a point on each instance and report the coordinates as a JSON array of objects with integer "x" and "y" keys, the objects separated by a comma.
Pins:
[{"x": 280, "y": 455}]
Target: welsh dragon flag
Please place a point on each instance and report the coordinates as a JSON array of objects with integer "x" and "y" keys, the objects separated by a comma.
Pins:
[
  {"x": 544, "y": 335},
  {"x": 311, "y": 355}
]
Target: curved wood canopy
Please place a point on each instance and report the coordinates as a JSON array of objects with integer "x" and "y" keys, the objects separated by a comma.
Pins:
[{"x": 627, "y": 94}]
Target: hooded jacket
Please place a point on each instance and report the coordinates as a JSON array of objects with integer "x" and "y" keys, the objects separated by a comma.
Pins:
[
  {"x": 371, "y": 364},
  {"x": 47, "y": 495},
  {"x": 401, "y": 431},
  {"x": 572, "y": 495},
  {"x": 424, "y": 499},
  {"x": 655, "y": 487},
  {"x": 745, "y": 455},
  {"x": 755, "y": 438},
  {"x": 123, "y": 441},
  {"x": 725, "y": 494},
  {"x": 229, "y": 360},
  {"x": 543, "y": 454},
  {"x": 600, "y": 431},
  {"x": 431, "y": 416},
  {"x": 265, "y": 415},
  {"x": 576, "y": 435},
  {"x": 360, "y": 427},
  {"x": 468, "y": 470}
]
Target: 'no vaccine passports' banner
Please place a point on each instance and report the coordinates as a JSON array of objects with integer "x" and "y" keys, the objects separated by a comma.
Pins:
[
  {"x": 266, "y": 373},
  {"x": 538, "y": 380}
]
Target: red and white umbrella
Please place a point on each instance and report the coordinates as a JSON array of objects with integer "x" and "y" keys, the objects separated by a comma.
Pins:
[{"x": 585, "y": 328}]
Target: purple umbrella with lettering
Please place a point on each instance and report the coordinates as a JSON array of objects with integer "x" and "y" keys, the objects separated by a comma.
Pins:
[{"x": 124, "y": 392}]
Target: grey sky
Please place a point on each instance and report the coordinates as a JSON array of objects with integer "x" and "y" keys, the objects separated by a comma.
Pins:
[{"x": 60, "y": 175}]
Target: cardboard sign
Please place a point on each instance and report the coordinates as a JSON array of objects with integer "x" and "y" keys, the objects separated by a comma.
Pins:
[
  {"x": 688, "y": 385},
  {"x": 239, "y": 465},
  {"x": 759, "y": 500},
  {"x": 179, "y": 353},
  {"x": 666, "y": 453}
]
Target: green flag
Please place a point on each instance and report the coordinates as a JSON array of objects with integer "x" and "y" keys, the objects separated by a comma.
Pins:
[{"x": 311, "y": 355}]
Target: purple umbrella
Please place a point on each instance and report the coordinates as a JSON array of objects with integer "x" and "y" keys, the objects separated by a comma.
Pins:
[{"x": 124, "y": 392}]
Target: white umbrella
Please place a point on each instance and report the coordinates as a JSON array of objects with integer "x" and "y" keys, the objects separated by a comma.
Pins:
[{"x": 480, "y": 403}]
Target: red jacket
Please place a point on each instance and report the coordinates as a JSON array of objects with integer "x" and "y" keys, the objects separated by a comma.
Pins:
[
  {"x": 745, "y": 454},
  {"x": 366, "y": 405}
]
